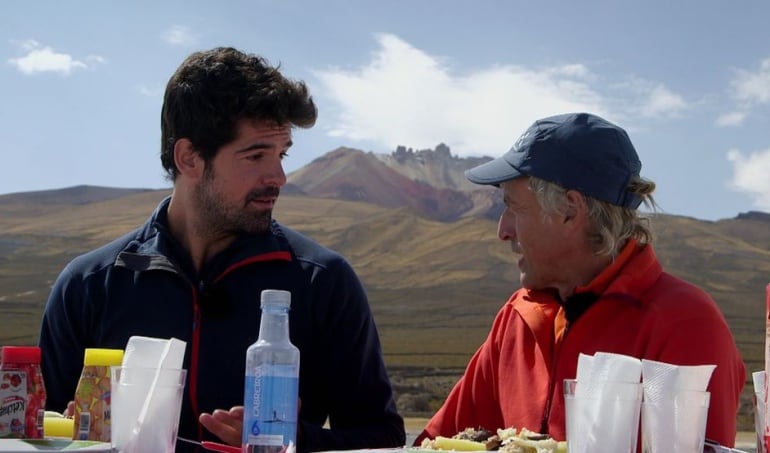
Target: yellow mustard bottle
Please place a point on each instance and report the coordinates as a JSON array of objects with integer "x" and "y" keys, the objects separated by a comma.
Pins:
[{"x": 93, "y": 395}]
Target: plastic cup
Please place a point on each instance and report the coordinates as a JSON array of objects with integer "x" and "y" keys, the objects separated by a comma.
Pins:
[
  {"x": 676, "y": 424},
  {"x": 571, "y": 418},
  {"x": 606, "y": 423},
  {"x": 156, "y": 391},
  {"x": 759, "y": 420}
]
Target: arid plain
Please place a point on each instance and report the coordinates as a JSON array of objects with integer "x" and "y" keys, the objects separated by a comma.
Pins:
[{"x": 434, "y": 286}]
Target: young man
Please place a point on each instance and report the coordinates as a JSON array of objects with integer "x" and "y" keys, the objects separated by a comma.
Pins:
[
  {"x": 196, "y": 268},
  {"x": 590, "y": 282}
]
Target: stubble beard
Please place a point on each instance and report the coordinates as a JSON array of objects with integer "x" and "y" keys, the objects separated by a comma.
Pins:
[{"x": 220, "y": 218}]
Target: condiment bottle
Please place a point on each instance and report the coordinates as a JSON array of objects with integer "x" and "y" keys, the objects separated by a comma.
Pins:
[
  {"x": 272, "y": 379},
  {"x": 93, "y": 395},
  {"x": 22, "y": 404}
]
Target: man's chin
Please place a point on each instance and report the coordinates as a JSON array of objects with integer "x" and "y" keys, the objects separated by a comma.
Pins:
[
  {"x": 527, "y": 282},
  {"x": 264, "y": 220},
  {"x": 255, "y": 224}
]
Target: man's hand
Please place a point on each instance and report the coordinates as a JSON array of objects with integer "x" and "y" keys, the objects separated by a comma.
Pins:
[{"x": 227, "y": 425}]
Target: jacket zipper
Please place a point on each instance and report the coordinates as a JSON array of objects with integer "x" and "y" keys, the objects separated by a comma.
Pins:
[
  {"x": 552, "y": 383},
  {"x": 194, "y": 356},
  {"x": 196, "y": 291}
]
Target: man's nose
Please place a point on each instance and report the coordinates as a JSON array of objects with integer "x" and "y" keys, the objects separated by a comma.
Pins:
[
  {"x": 275, "y": 177},
  {"x": 504, "y": 230}
]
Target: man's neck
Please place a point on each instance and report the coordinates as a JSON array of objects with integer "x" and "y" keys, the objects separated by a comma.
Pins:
[
  {"x": 185, "y": 225},
  {"x": 594, "y": 273},
  {"x": 585, "y": 270}
]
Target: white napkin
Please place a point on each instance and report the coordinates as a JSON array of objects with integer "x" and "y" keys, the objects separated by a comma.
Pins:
[
  {"x": 593, "y": 372},
  {"x": 675, "y": 406},
  {"x": 585, "y": 362},
  {"x": 663, "y": 380},
  {"x": 759, "y": 381},
  {"x": 765, "y": 432},
  {"x": 759, "y": 378},
  {"x": 148, "y": 352},
  {"x": 155, "y": 393},
  {"x": 606, "y": 404}
]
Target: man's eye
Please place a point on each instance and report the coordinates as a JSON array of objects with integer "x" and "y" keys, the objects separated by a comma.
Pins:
[{"x": 284, "y": 155}]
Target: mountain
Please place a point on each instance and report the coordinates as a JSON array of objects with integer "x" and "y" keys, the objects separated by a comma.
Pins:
[
  {"x": 434, "y": 283},
  {"x": 75, "y": 195},
  {"x": 429, "y": 182}
]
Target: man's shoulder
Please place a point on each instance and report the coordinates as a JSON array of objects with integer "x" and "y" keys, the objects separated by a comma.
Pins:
[
  {"x": 102, "y": 257},
  {"x": 307, "y": 249},
  {"x": 648, "y": 282},
  {"x": 669, "y": 286},
  {"x": 674, "y": 298}
]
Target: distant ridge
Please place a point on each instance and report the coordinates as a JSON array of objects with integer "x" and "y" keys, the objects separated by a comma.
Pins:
[
  {"x": 437, "y": 167},
  {"x": 75, "y": 195},
  {"x": 430, "y": 182},
  {"x": 754, "y": 215}
]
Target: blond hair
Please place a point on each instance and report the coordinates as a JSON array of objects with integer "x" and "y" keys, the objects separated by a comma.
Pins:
[{"x": 611, "y": 225}]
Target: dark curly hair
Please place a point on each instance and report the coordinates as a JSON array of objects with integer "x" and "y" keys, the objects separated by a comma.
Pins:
[{"x": 214, "y": 89}]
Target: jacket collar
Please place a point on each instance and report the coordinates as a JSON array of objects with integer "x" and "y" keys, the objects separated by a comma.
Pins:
[
  {"x": 155, "y": 248},
  {"x": 634, "y": 270}
]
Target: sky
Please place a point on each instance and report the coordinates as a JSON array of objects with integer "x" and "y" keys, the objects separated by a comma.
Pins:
[{"x": 81, "y": 83}]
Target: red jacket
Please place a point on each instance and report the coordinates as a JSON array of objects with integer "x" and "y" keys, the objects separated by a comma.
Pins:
[{"x": 515, "y": 378}]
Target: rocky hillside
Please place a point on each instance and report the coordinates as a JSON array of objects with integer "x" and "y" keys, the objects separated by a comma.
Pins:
[{"x": 429, "y": 182}]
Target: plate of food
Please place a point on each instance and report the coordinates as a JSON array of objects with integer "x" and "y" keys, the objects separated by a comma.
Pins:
[{"x": 508, "y": 440}]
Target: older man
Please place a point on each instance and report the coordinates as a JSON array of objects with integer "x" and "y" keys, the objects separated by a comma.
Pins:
[{"x": 590, "y": 282}]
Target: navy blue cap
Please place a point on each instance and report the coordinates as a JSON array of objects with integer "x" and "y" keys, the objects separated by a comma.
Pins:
[{"x": 578, "y": 151}]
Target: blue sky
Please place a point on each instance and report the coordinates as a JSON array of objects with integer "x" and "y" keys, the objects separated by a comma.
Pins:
[{"x": 81, "y": 83}]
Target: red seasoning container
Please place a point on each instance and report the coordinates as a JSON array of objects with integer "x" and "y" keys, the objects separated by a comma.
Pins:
[{"x": 22, "y": 364}]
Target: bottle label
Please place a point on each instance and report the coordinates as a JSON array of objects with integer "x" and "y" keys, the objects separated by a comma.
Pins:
[
  {"x": 92, "y": 404},
  {"x": 13, "y": 403},
  {"x": 270, "y": 408}
]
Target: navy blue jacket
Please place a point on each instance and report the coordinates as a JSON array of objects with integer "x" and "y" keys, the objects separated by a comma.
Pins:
[{"x": 144, "y": 284}]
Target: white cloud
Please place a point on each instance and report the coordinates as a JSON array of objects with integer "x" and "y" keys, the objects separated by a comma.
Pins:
[
  {"x": 404, "y": 96},
  {"x": 662, "y": 101},
  {"x": 573, "y": 70},
  {"x": 41, "y": 58},
  {"x": 731, "y": 119},
  {"x": 96, "y": 59},
  {"x": 28, "y": 44},
  {"x": 748, "y": 89},
  {"x": 753, "y": 87},
  {"x": 649, "y": 99},
  {"x": 750, "y": 176},
  {"x": 179, "y": 35}
]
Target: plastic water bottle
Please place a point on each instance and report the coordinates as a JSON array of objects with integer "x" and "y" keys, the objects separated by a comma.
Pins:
[{"x": 272, "y": 380}]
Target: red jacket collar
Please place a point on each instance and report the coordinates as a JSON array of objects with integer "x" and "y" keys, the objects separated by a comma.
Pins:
[{"x": 634, "y": 270}]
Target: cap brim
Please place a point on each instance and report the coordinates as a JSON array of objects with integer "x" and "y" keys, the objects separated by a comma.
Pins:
[{"x": 493, "y": 172}]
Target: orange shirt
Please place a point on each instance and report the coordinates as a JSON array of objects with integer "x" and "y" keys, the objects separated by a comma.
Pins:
[{"x": 515, "y": 378}]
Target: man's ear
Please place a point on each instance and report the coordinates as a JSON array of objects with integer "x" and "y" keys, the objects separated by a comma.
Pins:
[
  {"x": 188, "y": 162},
  {"x": 575, "y": 207}
]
